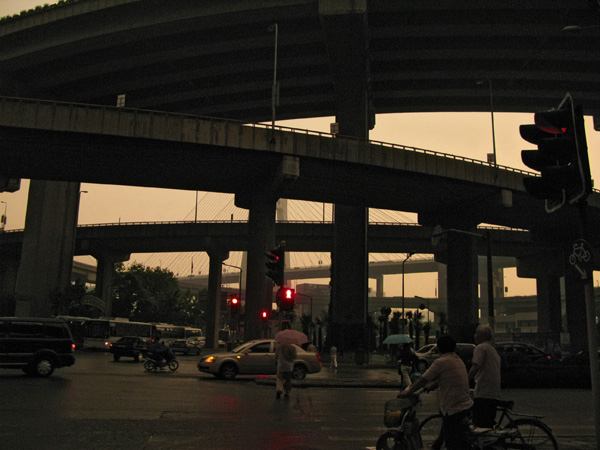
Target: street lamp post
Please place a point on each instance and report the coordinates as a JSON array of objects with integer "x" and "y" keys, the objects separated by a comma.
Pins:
[
  {"x": 275, "y": 87},
  {"x": 240, "y": 269},
  {"x": 408, "y": 255},
  {"x": 480, "y": 82}
]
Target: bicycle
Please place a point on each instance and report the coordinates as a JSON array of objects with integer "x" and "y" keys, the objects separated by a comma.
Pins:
[
  {"x": 400, "y": 414},
  {"x": 527, "y": 432}
]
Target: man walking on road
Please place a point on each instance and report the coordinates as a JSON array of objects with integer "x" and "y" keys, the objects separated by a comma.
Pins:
[
  {"x": 333, "y": 355},
  {"x": 485, "y": 370},
  {"x": 285, "y": 355}
]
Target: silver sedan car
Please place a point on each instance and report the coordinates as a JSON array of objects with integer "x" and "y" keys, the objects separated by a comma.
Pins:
[{"x": 257, "y": 358}]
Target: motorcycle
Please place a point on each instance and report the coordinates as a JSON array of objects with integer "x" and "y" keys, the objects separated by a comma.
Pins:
[{"x": 152, "y": 362}]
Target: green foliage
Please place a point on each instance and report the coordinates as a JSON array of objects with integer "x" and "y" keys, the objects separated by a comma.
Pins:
[
  {"x": 61, "y": 301},
  {"x": 147, "y": 294}
]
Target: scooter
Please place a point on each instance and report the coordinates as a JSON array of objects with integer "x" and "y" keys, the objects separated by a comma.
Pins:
[{"x": 152, "y": 363}]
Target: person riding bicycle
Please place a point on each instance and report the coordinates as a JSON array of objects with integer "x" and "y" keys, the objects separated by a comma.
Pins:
[{"x": 450, "y": 373}]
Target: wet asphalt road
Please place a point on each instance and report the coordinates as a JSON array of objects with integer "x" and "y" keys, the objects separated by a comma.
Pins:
[{"x": 101, "y": 404}]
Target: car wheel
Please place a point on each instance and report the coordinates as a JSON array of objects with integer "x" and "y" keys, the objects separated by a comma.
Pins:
[
  {"x": 299, "y": 372},
  {"x": 228, "y": 371},
  {"x": 116, "y": 357},
  {"x": 43, "y": 367}
]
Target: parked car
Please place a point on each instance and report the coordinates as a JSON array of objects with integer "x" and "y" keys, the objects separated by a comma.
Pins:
[
  {"x": 257, "y": 357},
  {"x": 130, "y": 346},
  {"x": 518, "y": 353},
  {"x": 185, "y": 346},
  {"x": 429, "y": 353},
  {"x": 35, "y": 345},
  {"x": 198, "y": 341}
]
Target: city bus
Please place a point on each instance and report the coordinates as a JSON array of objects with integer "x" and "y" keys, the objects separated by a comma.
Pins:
[
  {"x": 192, "y": 332},
  {"x": 168, "y": 331},
  {"x": 100, "y": 333}
]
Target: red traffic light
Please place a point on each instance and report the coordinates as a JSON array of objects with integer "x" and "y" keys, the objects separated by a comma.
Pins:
[
  {"x": 235, "y": 301},
  {"x": 561, "y": 156},
  {"x": 285, "y": 298},
  {"x": 264, "y": 314}
]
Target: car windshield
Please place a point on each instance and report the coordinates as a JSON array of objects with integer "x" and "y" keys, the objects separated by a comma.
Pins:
[
  {"x": 242, "y": 347},
  {"x": 425, "y": 348}
]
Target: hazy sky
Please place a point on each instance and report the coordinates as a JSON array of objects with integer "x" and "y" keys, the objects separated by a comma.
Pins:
[{"x": 465, "y": 134}]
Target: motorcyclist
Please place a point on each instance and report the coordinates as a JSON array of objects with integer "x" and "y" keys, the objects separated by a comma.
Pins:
[{"x": 161, "y": 353}]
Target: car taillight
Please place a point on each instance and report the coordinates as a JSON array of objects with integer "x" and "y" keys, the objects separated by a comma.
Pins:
[
  {"x": 318, "y": 356},
  {"x": 72, "y": 348}
]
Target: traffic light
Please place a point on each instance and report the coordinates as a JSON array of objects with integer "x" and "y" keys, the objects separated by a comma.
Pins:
[
  {"x": 285, "y": 298},
  {"x": 264, "y": 315},
  {"x": 561, "y": 156},
  {"x": 234, "y": 304},
  {"x": 275, "y": 264}
]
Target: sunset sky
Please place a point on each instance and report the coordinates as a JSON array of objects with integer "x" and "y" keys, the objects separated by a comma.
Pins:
[{"x": 465, "y": 134}]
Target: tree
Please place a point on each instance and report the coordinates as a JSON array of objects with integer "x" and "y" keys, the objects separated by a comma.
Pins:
[
  {"x": 146, "y": 294},
  {"x": 395, "y": 323},
  {"x": 384, "y": 317}
]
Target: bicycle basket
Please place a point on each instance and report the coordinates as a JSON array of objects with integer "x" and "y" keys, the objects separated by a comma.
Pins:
[{"x": 395, "y": 409}]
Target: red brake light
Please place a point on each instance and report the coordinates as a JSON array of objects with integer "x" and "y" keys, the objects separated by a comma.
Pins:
[{"x": 73, "y": 347}]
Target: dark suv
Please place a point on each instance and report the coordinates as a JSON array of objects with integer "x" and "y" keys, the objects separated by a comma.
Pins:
[{"x": 36, "y": 345}]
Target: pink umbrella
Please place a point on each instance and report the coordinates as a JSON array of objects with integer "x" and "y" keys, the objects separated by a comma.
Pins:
[{"x": 291, "y": 337}]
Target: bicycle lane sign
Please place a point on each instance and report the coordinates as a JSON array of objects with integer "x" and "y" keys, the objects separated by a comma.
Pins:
[{"x": 582, "y": 258}]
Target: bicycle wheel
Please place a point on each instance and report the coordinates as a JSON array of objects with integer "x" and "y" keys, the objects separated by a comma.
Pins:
[
  {"x": 533, "y": 435},
  {"x": 391, "y": 440},
  {"x": 431, "y": 432}
]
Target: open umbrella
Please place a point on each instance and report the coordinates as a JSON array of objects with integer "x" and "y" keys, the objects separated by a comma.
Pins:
[
  {"x": 291, "y": 337},
  {"x": 397, "y": 339}
]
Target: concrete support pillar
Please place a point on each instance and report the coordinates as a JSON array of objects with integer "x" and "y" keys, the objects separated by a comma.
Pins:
[
  {"x": 345, "y": 27},
  {"x": 379, "y": 292},
  {"x": 575, "y": 309},
  {"x": 498, "y": 282},
  {"x": 105, "y": 273},
  {"x": 9, "y": 267},
  {"x": 261, "y": 239},
  {"x": 548, "y": 304},
  {"x": 462, "y": 286},
  {"x": 350, "y": 268},
  {"x": 47, "y": 254},
  {"x": 213, "y": 307}
]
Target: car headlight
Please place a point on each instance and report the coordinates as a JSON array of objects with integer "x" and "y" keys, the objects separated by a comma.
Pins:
[{"x": 209, "y": 359}]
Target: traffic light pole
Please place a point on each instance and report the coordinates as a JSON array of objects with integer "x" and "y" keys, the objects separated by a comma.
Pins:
[{"x": 592, "y": 330}]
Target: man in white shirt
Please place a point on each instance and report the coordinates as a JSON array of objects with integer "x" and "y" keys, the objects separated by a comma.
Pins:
[
  {"x": 450, "y": 373},
  {"x": 485, "y": 370}
]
